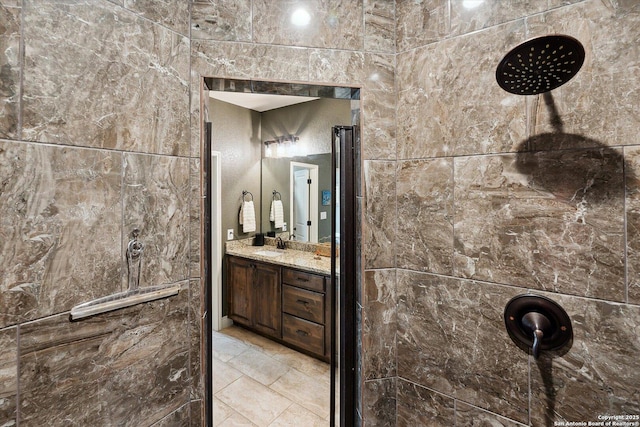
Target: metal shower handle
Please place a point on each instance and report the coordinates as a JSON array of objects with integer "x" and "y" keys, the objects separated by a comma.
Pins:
[{"x": 538, "y": 325}]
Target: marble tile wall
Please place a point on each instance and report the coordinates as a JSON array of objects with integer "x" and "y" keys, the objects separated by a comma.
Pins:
[
  {"x": 11, "y": 12},
  {"x": 442, "y": 156},
  {"x": 8, "y": 375},
  {"x": 95, "y": 140},
  {"x": 522, "y": 206},
  {"x": 108, "y": 350}
]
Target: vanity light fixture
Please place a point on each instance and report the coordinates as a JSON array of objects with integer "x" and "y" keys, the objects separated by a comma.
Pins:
[
  {"x": 268, "y": 152},
  {"x": 285, "y": 146}
]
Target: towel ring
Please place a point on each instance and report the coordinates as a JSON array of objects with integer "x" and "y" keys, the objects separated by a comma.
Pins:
[
  {"x": 244, "y": 194},
  {"x": 275, "y": 193}
]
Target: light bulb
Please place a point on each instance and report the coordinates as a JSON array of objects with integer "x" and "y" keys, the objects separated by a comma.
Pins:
[
  {"x": 300, "y": 18},
  {"x": 471, "y": 4}
]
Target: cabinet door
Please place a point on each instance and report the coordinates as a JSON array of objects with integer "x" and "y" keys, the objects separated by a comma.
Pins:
[
  {"x": 267, "y": 303},
  {"x": 240, "y": 287}
]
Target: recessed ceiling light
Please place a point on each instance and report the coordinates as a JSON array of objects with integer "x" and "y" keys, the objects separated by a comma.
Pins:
[
  {"x": 300, "y": 18},
  {"x": 471, "y": 4}
]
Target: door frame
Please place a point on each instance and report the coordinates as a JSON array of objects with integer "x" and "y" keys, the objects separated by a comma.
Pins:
[{"x": 349, "y": 353}]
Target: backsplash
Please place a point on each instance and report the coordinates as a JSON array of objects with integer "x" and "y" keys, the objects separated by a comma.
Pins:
[{"x": 271, "y": 241}]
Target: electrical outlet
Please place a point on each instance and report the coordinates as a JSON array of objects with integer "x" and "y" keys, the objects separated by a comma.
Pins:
[
  {"x": 284, "y": 226},
  {"x": 230, "y": 234}
]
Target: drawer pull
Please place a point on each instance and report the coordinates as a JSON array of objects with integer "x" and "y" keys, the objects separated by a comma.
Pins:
[
  {"x": 301, "y": 332},
  {"x": 302, "y": 279},
  {"x": 306, "y": 303}
]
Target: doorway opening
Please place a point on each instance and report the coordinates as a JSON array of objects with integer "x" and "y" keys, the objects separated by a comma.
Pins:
[{"x": 341, "y": 195}]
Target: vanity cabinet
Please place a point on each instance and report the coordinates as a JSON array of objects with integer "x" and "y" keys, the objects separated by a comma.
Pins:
[
  {"x": 255, "y": 295},
  {"x": 289, "y": 305},
  {"x": 306, "y": 311}
]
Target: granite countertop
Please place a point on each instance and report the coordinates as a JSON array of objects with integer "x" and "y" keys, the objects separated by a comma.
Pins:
[{"x": 301, "y": 259}]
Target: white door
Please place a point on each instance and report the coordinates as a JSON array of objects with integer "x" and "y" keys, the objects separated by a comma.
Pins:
[{"x": 301, "y": 205}]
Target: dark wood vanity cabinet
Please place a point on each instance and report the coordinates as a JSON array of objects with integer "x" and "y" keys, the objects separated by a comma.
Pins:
[
  {"x": 255, "y": 295},
  {"x": 306, "y": 312},
  {"x": 290, "y": 305}
]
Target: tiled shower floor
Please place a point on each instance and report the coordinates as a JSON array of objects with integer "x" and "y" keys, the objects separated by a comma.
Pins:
[{"x": 258, "y": 382}]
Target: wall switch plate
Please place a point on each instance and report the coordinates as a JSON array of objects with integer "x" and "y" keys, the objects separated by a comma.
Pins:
[
  {"x": 284, "y": 226},
  {"x": 323, "y": 215},
  {"x": 230, "y": 234}
]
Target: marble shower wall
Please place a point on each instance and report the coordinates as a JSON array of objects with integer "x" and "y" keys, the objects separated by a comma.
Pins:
[
  {"x": 493, "y": 202},
  {"x": 94, "y": 141}
]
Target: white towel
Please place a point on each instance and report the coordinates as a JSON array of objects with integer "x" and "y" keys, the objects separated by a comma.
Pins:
[
  {"x": 277, "y": 213},
  {"x": 247, "y": 217}
]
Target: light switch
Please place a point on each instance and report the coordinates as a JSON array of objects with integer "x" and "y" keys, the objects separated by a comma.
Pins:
[
  {"x": 323, "y": 215},
  {"x": 230, "y": 234}
]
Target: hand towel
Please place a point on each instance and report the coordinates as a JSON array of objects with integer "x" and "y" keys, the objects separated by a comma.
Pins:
[
  {"x": 247, "y": 217},
  {"x": 277, "y": 213}
]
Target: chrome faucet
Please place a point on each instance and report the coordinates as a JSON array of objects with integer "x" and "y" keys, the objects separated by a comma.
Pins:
[{"x": 280, "y": 243}]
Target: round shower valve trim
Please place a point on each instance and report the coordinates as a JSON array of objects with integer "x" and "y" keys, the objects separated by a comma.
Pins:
[{"x": 537, "y": 323}]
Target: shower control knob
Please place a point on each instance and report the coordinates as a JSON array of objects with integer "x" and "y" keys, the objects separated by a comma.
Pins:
[{"x": 537, "y": 323}]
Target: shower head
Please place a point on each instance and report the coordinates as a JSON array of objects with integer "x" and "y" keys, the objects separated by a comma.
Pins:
[{"x": 540, "y": 65}]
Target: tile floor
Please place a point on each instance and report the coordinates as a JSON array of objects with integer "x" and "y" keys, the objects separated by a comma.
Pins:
[{"x": 258, "y": 382}]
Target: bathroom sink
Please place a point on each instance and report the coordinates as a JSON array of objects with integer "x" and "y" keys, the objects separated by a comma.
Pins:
[{"x": 268, "y": 253}]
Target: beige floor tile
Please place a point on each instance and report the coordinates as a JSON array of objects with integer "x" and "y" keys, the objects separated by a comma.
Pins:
[
  {"x": 220, "y": 412},
  {"x": 249, "y": 362},
  {"x": 250, "y": 339},
  {"x": 296, "y": 415},
  {"x": 236, "y": 420},
  {"x": 223, "y": 375},
  {"x": 303, "y": 363},
  {"x": 225, "y": 348},
  {"x": 253, "y": 400},
  {"x": 259, "y": 366},
  {"x": 305, "y": 390}
]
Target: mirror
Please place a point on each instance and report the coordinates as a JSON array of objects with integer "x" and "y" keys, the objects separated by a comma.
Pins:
[
  {"x": 306, "y": 129},
  {"x": 278, "y": 174}
]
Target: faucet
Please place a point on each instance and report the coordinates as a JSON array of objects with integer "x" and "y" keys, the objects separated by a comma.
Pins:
[{"x": 279, "y": 243}]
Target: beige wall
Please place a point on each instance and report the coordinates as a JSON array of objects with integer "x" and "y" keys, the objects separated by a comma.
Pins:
[{"x": 236, "y": 135}]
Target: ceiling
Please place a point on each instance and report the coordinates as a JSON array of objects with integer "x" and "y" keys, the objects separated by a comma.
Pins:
[{"x": 257, "y": 101}]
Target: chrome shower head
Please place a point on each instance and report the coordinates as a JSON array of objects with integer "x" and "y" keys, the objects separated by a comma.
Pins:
[{"x": 540, "y": 65}]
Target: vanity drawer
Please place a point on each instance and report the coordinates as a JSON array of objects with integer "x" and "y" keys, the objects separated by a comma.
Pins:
[
  {"x": 301, "y": 279},
  {"x": 302, "y": 303},
  {"x": 302, "y": 333}
]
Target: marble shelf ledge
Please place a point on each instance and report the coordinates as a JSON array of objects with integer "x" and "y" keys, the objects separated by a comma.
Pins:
[{"x": 123, "y": 300}]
